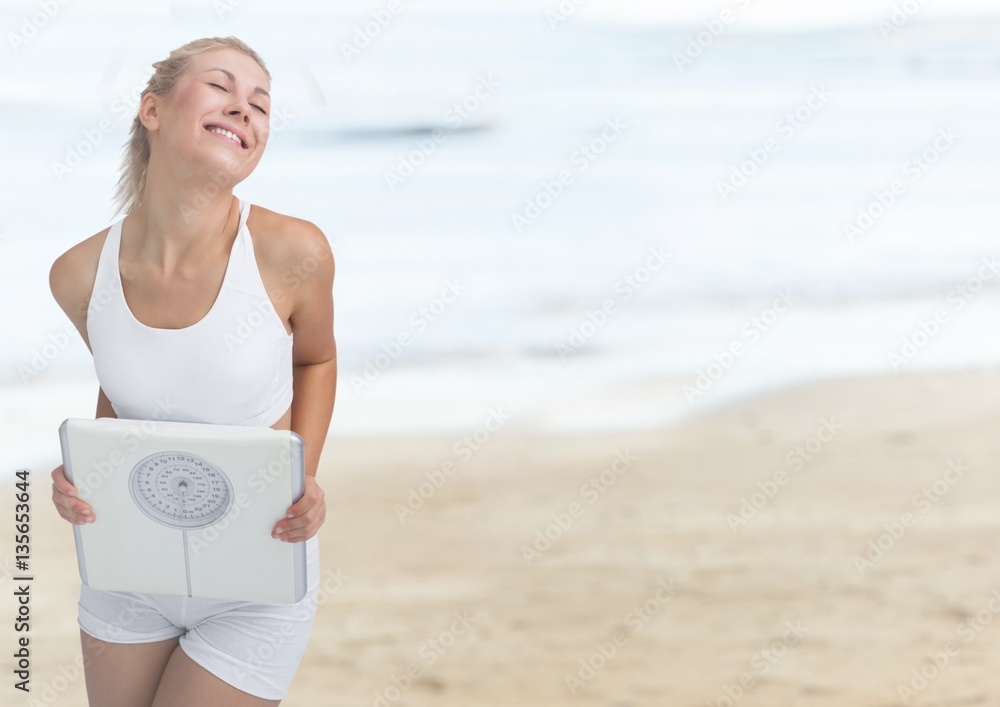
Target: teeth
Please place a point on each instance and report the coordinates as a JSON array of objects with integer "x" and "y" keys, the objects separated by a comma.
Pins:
[{"x": 227, "y": 133}]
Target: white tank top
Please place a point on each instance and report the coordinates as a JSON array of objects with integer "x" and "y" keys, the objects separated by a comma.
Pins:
[{"x": 232, "y": 367}]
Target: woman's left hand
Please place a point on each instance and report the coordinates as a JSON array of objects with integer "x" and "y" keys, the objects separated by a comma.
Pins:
[{"x": 304, "y": 517}]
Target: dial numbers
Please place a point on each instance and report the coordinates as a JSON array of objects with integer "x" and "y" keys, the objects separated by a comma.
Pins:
[{"x": 181, "y": 490}]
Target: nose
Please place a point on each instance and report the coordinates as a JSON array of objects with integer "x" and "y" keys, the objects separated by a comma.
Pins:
[{"x": 237, "y": 110}]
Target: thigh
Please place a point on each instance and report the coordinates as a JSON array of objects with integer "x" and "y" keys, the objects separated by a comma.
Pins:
[
  {"x": 187, "y": 684},
  {"x": 125, "y": 617},
  {"x": 123, "y": 674},
  {"x": 254, "y": 648}
]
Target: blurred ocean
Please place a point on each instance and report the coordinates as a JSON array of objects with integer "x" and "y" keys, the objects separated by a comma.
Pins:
[{"x": 819, "y": 120}]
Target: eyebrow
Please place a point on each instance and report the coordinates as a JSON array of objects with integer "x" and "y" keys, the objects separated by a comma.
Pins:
[{"x": 232, "y": 77}]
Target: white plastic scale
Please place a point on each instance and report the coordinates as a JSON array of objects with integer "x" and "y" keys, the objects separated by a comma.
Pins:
[{"x": 186, "y": 508}]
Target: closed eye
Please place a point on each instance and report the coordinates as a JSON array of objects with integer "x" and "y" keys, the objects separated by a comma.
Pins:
[{"x": 254, "y": 105}]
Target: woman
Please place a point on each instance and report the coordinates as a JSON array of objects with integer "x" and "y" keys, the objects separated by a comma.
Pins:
[{"x": 199, "y": 308}]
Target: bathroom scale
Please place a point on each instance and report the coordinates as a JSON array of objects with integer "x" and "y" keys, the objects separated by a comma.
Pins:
[{"x": 186, "y": 508}]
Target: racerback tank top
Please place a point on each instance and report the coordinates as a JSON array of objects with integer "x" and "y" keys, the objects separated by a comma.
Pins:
[{"x": 232, "y": 367}]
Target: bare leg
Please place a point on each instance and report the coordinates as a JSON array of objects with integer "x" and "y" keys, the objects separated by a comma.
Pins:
[
  {"x": 123, "y": 674},
  {"x": 187, "y": 684}
]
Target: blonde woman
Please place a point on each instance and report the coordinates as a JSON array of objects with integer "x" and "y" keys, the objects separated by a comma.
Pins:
[{"x": 198, "y": 306}]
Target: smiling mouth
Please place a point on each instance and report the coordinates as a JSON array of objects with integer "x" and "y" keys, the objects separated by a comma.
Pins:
[{"x": 216, "y": 130}]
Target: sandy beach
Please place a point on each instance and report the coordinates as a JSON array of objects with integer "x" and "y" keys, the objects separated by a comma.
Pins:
[
  {"x": 640, "y": 568},
  {"x": 555, "y": 206}
]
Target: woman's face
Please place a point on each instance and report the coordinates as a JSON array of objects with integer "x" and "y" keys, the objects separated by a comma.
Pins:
[{"x": 222, "y": 89}]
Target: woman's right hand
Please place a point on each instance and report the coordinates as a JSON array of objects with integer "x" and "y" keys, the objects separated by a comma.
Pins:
[{"x": 64, "y": 497}]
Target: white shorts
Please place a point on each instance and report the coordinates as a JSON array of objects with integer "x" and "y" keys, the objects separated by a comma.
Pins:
[{"x": 253, "y": 647}]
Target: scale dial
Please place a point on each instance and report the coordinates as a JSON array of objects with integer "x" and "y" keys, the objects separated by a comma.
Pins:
[{"x": 181, "y": 490}]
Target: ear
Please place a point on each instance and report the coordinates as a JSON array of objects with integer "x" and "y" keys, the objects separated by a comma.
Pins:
[{"x": 148, "y": 112}]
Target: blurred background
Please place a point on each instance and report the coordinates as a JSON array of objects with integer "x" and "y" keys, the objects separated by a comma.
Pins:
[
  {"x": 518, "y": 92},
  {"x": 611, "y": 220}
]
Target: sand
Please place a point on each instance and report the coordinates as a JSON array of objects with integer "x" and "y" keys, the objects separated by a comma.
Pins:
[{"x": 870, "y": 560}]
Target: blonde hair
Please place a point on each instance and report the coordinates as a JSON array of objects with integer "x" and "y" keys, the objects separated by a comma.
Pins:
[{"x": 132, "y": 182}]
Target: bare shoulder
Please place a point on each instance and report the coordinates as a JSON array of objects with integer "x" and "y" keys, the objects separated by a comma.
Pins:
[
  {"x": 71, "y": 277},
  {"x": 286, "y": 244},
  {"x": 295, "y": 261}
]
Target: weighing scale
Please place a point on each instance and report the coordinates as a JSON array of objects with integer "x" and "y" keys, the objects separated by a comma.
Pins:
[{"x": 186, "y": 508}]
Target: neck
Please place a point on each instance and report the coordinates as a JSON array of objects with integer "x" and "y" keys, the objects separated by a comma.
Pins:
[{"x": 174, "y": 229}]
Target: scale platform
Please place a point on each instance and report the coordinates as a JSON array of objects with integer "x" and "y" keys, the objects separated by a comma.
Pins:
[{"x": 186, "y": 508}]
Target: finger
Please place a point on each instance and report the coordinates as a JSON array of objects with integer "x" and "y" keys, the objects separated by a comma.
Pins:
[
  {"x": 284, "y": 528},
  {"x": 306, "y": 515},
  {"x": 71, "y": 503},
  {"x": 305, "y": 529},
  {"x": 295, "y": 535},
  {"x": 73, "y": 509},
  {"x": 300, "y": 508},
  {"x": 289, "y": 527},
  {"x": 64, "y": 485},
  {"x": 60, "y": 482},
  {"x": 81, "y": 513},
  {"x": 75, "y": 518},
  {"x": 308, "y": 532},
  {"x": 61, "y": 499},
  {"x": 313, "y": 495}
]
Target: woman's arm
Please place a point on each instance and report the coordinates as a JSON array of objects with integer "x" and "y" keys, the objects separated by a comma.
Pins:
[
  {"x": 314, "y": 359},
  {"x": 315, "y": 386},
  {"x": 71, "y": 280},
  {"x": 314, "y": 351}
]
